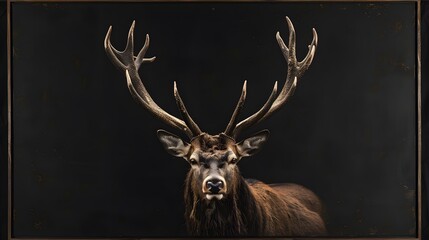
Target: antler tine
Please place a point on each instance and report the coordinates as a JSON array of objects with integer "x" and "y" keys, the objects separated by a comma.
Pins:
[
  {"x": 294, "y": 71},
  {"x": 233, "y": 120},
  {"x": 189, "y": 121},
  {"x": 256, "y": 116},
  {"x": 292, "y": 41},
  {"x": 130, "y": 64},
  {"x": 140, "y": 57},
  {"x": 306, "y": 62},
  {"x": 111, "y": 51},
  {"x": 129, "y": 48}
]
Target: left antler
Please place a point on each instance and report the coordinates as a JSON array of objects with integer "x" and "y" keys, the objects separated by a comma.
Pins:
[
  {"x": 295, "y": 70},
  {"x": 130, "y": 64}
]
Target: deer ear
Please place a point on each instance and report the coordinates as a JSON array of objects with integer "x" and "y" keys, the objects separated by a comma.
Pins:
[
  {"x": 173, "y": 144},
  {"x": 251, "y": 145}
]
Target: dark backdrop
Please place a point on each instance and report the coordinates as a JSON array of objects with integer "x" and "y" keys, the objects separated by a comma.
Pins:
[{"x": 86, "y": 158}]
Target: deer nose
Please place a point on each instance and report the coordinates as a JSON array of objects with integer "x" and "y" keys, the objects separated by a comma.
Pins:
[{"x": 214, "y": 185}]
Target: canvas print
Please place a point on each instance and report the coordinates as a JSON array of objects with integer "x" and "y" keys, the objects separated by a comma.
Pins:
[
  {"x": 214, "y": 119},
  {"x": 219, "y": 201}
]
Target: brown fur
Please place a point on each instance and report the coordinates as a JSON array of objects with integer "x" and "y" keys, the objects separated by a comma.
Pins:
[{"x": 253, "y": 208}]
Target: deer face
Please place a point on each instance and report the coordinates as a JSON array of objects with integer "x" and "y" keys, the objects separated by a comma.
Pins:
[{"x": 213, "y": 159}]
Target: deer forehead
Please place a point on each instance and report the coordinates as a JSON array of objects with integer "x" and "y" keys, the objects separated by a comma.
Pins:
[
  {"x": 207, "y": 143},
  {"x": 213, "y": 146}
]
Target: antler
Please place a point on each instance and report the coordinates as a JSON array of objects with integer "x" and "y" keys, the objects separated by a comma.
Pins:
[
  {"x": 130, "y": 64},
  {"x": 294, "y": 72}
]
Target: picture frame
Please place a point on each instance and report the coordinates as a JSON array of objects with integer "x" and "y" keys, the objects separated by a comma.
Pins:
[{"x": 84, "y": 175}]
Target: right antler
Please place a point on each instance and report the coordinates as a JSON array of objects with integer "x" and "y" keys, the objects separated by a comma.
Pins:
[
  {"x": 130, "y": 64},
  {"x": 294, "y": 72}
]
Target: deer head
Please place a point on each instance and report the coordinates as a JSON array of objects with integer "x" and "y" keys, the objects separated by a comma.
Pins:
[{"x": 213, "y": 158}]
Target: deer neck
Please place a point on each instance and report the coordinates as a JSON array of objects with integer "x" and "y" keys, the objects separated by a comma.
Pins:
[{"x": 237, "y": 214}]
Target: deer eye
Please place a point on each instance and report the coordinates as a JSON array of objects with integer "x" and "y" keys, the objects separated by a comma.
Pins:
[
  {"x": 233, "y": 161},
  {"x": 193, "y": 161}
]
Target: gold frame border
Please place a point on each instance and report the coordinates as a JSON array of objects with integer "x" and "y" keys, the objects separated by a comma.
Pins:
[
  {"x": 9, "y": 104},
  {"x": 419, "y": 121}
]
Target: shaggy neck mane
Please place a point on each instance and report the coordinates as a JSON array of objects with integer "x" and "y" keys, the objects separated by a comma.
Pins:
[{"x": 236, "y": 214}]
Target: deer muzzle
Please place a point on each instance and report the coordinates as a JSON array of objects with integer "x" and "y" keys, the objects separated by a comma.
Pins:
[{"x": 214, "y": 187}]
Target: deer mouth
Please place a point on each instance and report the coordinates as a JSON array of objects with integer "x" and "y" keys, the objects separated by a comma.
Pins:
[{"x": 211, "y": 196}]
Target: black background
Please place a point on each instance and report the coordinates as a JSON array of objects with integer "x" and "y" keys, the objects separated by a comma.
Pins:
[{"x": 86, "y": 158}]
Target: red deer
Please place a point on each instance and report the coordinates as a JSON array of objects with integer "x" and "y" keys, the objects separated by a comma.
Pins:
[{"x": 218, "y": 200}]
